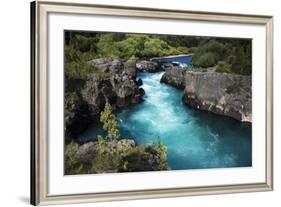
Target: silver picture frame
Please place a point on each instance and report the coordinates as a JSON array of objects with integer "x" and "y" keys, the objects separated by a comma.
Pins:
[{"x": 39, "y": 100}]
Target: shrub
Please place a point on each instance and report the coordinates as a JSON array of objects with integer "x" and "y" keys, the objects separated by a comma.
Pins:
[
  {"x": 204, "y": 60},
  {"x": 70, "y": 100},
  {"x": 193, "y": 49},
  {"x": 215, "y": 47},
  {"x": 71, "y": 159},
  {"x": 108, "y": 159},
  {"x": 182, "y": 50},
  {"x": 75, "y": 65},
  {"x": 162, "y": 150},
  {"x": 84, "y": 44},
  {"x": 109, "y": 122},
  {"x": 223, "y": 67},
  {"x": 242, "y": 63},
  {"x": 106, "y": 47}
]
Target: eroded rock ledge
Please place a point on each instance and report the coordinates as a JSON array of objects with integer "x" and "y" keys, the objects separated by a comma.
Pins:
[
  {"x": 114, "y": 80},
  {"x": 220, "y": 93}
]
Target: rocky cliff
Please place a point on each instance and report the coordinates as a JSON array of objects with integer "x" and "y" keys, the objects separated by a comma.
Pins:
[
  {"x": 220, "y": 93},
  {"x": 113, "y": 80}
]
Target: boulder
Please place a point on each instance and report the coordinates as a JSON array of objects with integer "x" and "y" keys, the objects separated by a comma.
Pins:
[
  {"x": 148, "y": 66},
  {"x": 139, "y": 82},
  {"x": 141, "y": 91},
  {"x": 130, "y": 68},
  {"x": 87, "y": 152},
  {"x": 175, "y": 77}
]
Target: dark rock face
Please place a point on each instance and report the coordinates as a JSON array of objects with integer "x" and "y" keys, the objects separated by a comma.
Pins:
[
  {"x": 220, "y": 93},
  {"x": 119, "y": 88},
  {"x": 167, "y": 66},
  {"x": 139, "y": 82},
  {"x": 148, "y": 66},
  {"x": 114, "y": 81},
  {"x": 175, "y": 77},
  {"x": 130, "y": 68},
  {"x": 141, "y": 91}
]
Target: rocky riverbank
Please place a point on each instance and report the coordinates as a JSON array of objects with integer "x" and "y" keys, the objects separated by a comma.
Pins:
[
  {"x": 220, "y": 93},
  {"x": 131, "y": 157},
  {"x": 113, "y": 80}
]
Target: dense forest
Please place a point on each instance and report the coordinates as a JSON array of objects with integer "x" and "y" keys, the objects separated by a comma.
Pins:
[{"x": 227, "y": 54}]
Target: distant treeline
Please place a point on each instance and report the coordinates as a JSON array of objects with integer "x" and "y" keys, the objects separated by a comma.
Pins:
[{"x": 228, "y": 54}]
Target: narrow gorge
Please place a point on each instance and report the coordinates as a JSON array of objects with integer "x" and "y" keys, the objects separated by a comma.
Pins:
[
  {"x": 199, "y": 129},
  {"x": 148, "y": 102}
]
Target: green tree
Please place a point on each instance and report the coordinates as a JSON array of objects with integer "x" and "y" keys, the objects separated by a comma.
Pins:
[
  {"x": 72, "y": 166},
  {"x": 108, "y": 158},
  {"x": 162, "y": 150},
  {"x": 109, "y": 122}
]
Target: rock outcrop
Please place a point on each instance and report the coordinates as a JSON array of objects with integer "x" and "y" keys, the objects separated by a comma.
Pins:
[
  {"x": 175, "y": 77},
  {"x": 136, "y": 157},
  {"x": 88, "y": 151},
  {"x": 148, "y": 66},
  {"x": 113, "y": 80},
  {"x": 220, "y": 93}
]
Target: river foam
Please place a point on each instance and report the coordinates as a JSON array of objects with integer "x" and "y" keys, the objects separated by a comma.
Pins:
[{"x": 194, "y": 139}]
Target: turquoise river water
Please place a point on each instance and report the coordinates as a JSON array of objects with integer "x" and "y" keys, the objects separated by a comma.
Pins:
[{"x": 194, "y": 139}]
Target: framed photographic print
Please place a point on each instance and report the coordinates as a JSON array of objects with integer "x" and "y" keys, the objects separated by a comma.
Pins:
[{"x": 134, "y": 103}]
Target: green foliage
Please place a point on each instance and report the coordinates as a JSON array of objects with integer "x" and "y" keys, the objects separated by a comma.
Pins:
[
  {"x": 179, "y": 41},
  {"x": 139, "y": 158},
  {"x": 132, "y": 47},
  {"x": 136, "y": 46},
  {"x": 182, "y": 50},
  {"x": 213, "y": 46},
  {"x": 230, "y": 55},
  {"x": 207, "y": 59},
  {"x": 193, "y": 50},
  {"x": 108, "y": 159},
  {"x": 223, "y": 67},
  {"x": 81, "y": 47},
  {"x": 70, "y": 99},
  {"x": 72, "y": 165},
  {"x": 241, "y": 60},
  {"x": 208, "y": 53},
  {"x": 84, "y": 44},
  {"x": 162, "y": 150},
  {"x": 106, "y": 46},
  {"x": 155, "y": 47},
  {"x": 76, "y": 65},
  {"x": 109, "y": 122}
]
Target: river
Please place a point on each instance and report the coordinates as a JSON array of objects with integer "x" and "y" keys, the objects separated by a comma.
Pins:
[{"x": 194, "y": 139}]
